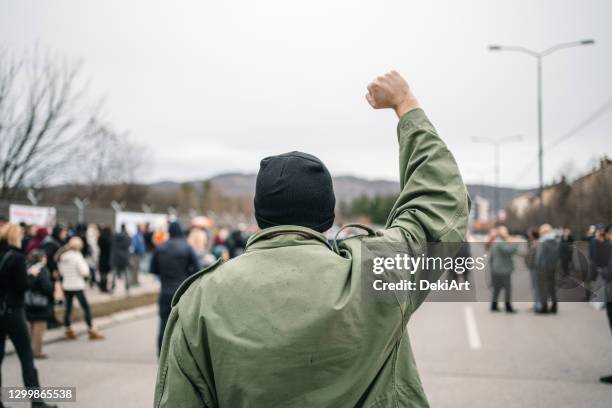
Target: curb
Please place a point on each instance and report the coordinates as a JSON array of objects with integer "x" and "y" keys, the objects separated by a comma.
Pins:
[{"x": 114, "y": 319}]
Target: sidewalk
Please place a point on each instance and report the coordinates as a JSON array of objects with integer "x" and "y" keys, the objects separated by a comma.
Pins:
[{"x": 108, "y": 309}]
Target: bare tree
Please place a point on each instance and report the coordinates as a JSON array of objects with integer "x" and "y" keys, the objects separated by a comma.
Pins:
[{"x": 47, "y": 130}]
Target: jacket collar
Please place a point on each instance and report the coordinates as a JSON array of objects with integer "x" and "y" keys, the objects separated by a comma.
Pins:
[{"x": 285, "y": 235}]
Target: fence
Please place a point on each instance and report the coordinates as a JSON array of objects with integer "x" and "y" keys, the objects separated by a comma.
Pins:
[{"x": 67, "y": 214}]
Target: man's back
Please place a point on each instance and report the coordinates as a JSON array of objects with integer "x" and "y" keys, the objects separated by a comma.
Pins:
[{"x": 287, "y": 324}]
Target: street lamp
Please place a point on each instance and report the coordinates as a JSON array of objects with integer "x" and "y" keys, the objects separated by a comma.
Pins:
[
  {"x": 496, "y": 144},
  {"x": 539, "y": 56}
]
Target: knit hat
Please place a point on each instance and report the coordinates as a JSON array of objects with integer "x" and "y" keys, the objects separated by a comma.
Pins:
[{"x": 294, "y": 189}]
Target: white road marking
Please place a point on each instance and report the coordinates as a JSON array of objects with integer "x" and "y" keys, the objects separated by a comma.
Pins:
[{"x": 472, "y": 329}]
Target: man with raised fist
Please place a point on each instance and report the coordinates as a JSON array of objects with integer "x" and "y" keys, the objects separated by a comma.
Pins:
[{"x": 286, "y": 323}]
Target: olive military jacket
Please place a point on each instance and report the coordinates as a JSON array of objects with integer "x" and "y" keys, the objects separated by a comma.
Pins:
[{"x": 285, "y": 324}]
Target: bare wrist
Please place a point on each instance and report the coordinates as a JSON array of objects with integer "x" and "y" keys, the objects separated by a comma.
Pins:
[{"x": 406, "y": 106}]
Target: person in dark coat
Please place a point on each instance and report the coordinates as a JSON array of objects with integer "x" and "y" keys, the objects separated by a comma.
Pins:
[
  {"x": 607, "y": 277},
  {"x": 235, "y": 243},
  {"x": 173, "y": 262},
  {"x": 121, "y": 258},
  {"x": 547, "y": 257},
  {"x": 105, "y": 241},
  {"x": 40, "y": 286},
  {"x": 13, "y": 324},
  {"x": 51, "y": 244},
  {"x": 566, "y": 250}
]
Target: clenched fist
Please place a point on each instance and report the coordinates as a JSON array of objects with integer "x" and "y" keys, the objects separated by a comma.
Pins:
[{"x": 391, "y": 91}]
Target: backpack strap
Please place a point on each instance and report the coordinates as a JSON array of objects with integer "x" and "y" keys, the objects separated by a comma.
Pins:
[{"x": 5, "y": 257}]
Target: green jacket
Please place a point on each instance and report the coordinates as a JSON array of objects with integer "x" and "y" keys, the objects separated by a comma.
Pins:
[
  {"x": 285, "y": 324},
  {"x": 502, "y": 263}
]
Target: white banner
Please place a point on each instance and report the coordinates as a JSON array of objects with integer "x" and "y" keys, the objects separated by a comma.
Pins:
[
  {"x": 31, "y": 215},
  {"x": 133, "y": 219}
]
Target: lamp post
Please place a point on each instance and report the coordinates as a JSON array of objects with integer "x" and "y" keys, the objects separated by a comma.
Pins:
[
  {"x": 539, "y": 56},
  {"x": 496, "y": 143}
]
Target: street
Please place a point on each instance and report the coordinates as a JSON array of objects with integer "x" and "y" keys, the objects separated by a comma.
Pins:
[{"x": 496, "y": 360}]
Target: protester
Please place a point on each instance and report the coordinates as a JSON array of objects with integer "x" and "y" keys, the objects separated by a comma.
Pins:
[
  {"x": 13, "y": 324},
  {"x": 173, "y": 261},
  {"x": 607, "y": 277},
  {"x": 121, "y": 258},
  {"x": 105, "y": 243},
  {"x": 138, "y": 251},
  {"x": 38, "y": 299},
  {"x": 37, "y": 241},
  {"x": 28, "y": 235},
  {"x": 598, "y": 254},
  {"x": 198, "y": 240},
  {"x": 530, "y": 261},
  {"x": 286, "y": 324},
  {"x": 502, "y": 266},
  {"x": 566, "y": 251},
  {"x": 73, "y": 268},
  {"x": 92, "y": 235},
  {"x": 51, "y": 244},
  {"x": 547, "y": 258},
  {"x": 236, "y": 242},
  {"x": 148, "y": 237}
]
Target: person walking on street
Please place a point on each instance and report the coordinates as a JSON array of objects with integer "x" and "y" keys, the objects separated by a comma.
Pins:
[
  {"x": 566, "y": 251},
  {"x": 598, "y": 253},
  {"x": 13, "y": 324},
  {"x": 530, "y": 261},
  {"x": 502, "y": 266},
  {"x": 51, "y": 244},
  {"x": 105, "y": 243},
  {"x": 121, "y": 258},
  {"x": 38, "y": 299},
  {"x": 173, "y": 262},
  {"x": 138, "y": 251},
  {"x": 285, "y": 324},
  {"x": 547, "y": 259},
  {"x": 37, "y": 241},
  {"x": 74, "y": 269},
  {"x": 607, "y": 278}
]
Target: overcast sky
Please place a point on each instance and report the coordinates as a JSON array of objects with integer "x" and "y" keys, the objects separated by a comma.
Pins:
[{"x": 214, "y": 86}]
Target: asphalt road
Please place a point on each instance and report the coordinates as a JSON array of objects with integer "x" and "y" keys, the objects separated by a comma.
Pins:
[{"x": 468, "y": 357}]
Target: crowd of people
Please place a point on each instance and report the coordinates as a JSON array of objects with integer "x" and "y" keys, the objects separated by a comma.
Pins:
[
  {"x": 552, "y": 257},
  {"x": 42, "y": 270}
]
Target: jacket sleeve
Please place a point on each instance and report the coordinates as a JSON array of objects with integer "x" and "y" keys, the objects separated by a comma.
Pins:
[
  {"x": 179, "y": 381},
  {"x": 433, "y": 205}
]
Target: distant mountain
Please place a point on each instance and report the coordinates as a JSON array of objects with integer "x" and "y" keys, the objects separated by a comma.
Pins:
[{"x": 346, "y": 187}]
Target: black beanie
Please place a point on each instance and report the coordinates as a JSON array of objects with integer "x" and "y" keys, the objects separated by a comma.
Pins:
[{"x": 294, "y": 189}]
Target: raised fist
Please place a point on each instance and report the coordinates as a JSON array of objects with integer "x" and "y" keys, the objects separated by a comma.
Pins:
[{"x": 391, "y": 91}]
